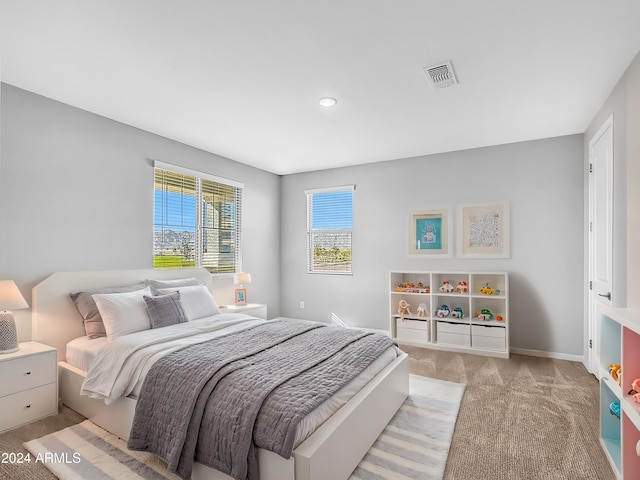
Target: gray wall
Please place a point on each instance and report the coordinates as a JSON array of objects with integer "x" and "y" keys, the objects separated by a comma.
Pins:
[
  {"x": 76, "y": 193},
  {"x": 543, "y": 183}
]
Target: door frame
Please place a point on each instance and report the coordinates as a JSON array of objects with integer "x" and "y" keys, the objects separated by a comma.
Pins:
[{"x": 593, "y": 324}]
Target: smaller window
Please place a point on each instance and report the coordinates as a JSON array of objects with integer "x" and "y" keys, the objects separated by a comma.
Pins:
[{"x": 330, "y": 229}]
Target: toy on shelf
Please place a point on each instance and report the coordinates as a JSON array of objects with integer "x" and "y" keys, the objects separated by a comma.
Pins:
[
  {"x": 403, "y": 309},
  {"x": 457, "y": 313},
  {"x": 410, "y": 287},
  {"x": 443, "y": 311},
  {"x": 615, "y": 370},
  {"x": 422, "y": 310},
  {"x": 499, "y": 318},
  {"x": 635, "y": 390},
  {"x": 614, "y": 409},
  {"x": 484, "y": 315},
  {"x": 446, "y": 287},
  {"x": 487, "y": 290},
  {"x": 462, "y": 287}
]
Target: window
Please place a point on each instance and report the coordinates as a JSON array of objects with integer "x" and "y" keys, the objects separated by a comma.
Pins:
[
  {"x": 196, "y": 220},
  {"x": 329, "y": 229}
]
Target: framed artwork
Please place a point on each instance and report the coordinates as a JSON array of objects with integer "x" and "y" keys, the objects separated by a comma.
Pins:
[
  {"x": 484, "y": 230},
  {"x": 429, "y": 233},
  {"x": 241, "y": 296}
]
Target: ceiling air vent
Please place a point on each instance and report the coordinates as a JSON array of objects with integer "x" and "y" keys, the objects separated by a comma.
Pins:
[{"x": 440, "y": 75}]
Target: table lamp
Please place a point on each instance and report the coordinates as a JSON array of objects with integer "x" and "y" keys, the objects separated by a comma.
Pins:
[
  {"x": 10, "y": 299},
  {"x": 241, "y": 279}
]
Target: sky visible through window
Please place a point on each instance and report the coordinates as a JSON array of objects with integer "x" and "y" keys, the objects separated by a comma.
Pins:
[
  {"x": 178, "y": 210},
  {"x": 332, "y": 210}
]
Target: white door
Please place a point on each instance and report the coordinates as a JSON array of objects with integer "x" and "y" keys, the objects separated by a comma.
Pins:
[{"x": 600, "y": 232}]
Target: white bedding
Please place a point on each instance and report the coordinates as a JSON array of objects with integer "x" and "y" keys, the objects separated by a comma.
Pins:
[{"x": 117, "y": 367}]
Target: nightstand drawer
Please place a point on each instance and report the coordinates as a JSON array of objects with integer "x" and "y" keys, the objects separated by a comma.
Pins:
[
  {"x": 24, "y": 407},
  {"x": 27, "y": 372}
]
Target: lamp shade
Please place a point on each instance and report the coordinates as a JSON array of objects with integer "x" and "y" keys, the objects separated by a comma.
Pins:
[
  {"x": 10, "y": 299},
  {"x": 241, "y": 278},
  {"x": 10, "y": 296}
]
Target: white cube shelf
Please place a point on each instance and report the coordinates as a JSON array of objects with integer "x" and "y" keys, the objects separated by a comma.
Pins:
[{"x": 458, "y": 311}]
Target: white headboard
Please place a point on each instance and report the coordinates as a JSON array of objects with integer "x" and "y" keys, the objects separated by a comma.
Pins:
[{"x": 55, "y": 319}]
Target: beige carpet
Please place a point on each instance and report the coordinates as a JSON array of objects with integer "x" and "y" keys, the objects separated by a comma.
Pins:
[{"x": 520, "y": 419}]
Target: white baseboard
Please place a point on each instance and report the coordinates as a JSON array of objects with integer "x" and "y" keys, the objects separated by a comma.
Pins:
[{"x": 540, "y": 353}]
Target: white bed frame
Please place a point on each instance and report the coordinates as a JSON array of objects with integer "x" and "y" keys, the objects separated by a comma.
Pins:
[{"x": 331, "y": 452}]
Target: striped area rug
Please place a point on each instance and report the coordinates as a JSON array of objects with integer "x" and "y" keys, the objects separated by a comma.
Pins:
[
  {"x": 413, "y": 446},
  {"x": 416, "y": 442}
]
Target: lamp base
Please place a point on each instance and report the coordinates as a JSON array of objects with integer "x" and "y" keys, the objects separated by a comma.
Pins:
[{"x": 8, "y": 334}]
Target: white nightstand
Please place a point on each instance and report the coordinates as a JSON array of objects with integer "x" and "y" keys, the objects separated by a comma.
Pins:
[
  {"x": 254, "y": 309},
  {"x": 29, "y": 380}
]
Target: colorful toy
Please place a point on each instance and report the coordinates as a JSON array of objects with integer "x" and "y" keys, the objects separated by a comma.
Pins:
[
  {"x": 422, "y": 310},
  {"x": 446, "y": 287},
  {"x": 499, "y": 318},
  {"x": 412, "y": 287},
  {"x": 484, "y": 315},
  {"x": 635, "y": 390},
  {"x": 403, "y": 309},
  {"x": 614, "y": 409},
  {"x": 462, "y": 287},
  {"x": 487, "y": 290},
  {"x": 443, "y": 311},
  {"x": 457, "y": 313},
  {"x": 615, "y": 370}
]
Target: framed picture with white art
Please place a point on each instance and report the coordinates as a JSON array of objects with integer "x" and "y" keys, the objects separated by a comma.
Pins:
[{"x": 483, "y": 230}]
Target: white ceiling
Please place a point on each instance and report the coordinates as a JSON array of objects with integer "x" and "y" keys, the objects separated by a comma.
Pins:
[{"x": 243, "y": 78}]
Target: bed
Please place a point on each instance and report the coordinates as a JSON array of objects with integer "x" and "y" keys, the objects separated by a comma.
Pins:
[{"x": 332, "y": 451}]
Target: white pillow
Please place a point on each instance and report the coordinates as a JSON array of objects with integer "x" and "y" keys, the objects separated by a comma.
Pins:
[
  {"x": 174, "y": 283},
  {"x": 197, "y": 301},
  {"x": 123, "y": 313}
]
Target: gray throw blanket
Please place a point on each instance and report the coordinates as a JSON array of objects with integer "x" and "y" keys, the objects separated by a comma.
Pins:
[{"x": 220, "y": 400}]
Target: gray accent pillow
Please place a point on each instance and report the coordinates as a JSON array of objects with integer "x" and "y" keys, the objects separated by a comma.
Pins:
[
  {"x": 165, "y": 310},
  {"x": 178, "y": 282},
  {"x": 86, "y": 305}
]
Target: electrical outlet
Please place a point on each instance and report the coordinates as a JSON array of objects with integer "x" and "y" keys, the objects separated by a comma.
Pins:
[{"x": 301, "y": 304}]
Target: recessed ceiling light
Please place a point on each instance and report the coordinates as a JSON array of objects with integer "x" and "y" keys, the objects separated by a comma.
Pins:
[{"x": 328, "y": 101}]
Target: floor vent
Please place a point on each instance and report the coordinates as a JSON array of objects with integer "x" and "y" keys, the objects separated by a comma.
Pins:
[{"x": 440, "y": 75}]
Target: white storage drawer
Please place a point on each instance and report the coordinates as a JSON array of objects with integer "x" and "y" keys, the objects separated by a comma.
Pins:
[
  {"x": 24, "y": 407},
  {"x": 412, "y": 330},
  {"x": 28, "y": 372},
  {"x": 457, "y": 334},
  {"x": 458, "y": 328},
  {"x": 488, "y": 337}
]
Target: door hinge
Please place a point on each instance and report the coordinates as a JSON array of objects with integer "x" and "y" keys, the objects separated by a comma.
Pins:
[
  {"x": 591, "y": 226},
  {"x": 591, "y": 168},
  {"x": 590, "y": 285},
  {"x": 590, "y": 343}
]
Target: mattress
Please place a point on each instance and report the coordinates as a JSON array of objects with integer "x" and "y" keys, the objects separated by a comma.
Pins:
[{"x": 82, "y": 351}]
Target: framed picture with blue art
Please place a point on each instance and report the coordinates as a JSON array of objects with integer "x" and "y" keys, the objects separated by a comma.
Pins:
[{"x": 430, "y": 233}]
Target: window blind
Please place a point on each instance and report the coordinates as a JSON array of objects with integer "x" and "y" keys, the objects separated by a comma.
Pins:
[
  {"x": 330, "y": 229},
  {"x": 197, "y": 220}
]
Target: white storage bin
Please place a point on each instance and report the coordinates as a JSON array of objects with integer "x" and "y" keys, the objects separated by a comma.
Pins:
[
  {"x": 412, "y": 330},
  {"x": 488, "y": 337},
  {"x": 457, "y": 334}
]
